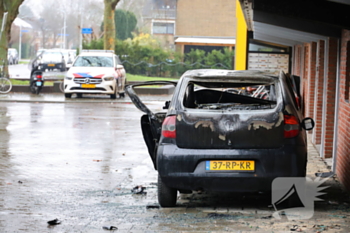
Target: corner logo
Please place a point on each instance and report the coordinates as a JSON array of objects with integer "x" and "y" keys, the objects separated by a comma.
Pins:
[{"x": 294, "y": 196}]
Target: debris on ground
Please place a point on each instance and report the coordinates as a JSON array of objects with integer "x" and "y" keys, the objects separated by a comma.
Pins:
[
  {"x": 152, "y": 207},
  {"x": 20, "y": 182},
  {"x": 139, "y": 190},
  {"x": 266, "y": 217},
  {"x": 333, "y": 203},
  {"x": 324, "y": 174},
  {"x": 97, "y": 160},
  {"x": 216, "y": 215},
  {"x": 54, "y": 222},
  {"x": 110, "y": 228}
]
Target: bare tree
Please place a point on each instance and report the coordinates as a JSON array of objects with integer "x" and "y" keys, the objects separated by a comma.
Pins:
[
  {"x": 11, "y": 7},
  {"x": 109, "y": 25}
]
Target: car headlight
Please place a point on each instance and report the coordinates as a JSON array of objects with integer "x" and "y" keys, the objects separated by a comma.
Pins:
[
  {"x": 108, "y": 79},
  {"x": 68, "y": 77}
]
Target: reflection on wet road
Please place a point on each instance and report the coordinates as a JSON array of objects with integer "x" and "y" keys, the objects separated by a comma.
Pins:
[{"x": 56, "y": 157}]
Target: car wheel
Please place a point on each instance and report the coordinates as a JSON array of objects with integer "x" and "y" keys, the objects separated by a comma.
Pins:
[
  {"x": 166, "y": 196},
  {"x": 114, "y": 96},
  {"x": 79, "y": 95},
  {"x": 67, "y": 95}
]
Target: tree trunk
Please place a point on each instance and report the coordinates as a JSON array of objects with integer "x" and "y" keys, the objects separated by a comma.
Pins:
[
  {"x": 10, "y": 6},
  {"x": 109, "y": 25}
]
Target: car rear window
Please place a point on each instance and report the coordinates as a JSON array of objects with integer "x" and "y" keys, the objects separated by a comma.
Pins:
[
  {"x": 229, "y": 95},
  {"x": 94, "y": 61}
]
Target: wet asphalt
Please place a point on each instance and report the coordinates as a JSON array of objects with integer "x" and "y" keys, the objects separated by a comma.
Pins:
[{"x": 78, "y": 160}]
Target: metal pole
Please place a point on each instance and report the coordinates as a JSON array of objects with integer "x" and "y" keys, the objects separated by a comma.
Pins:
[
  {"x": 64, "y": 32},
  {"x": 81, "y": 34},
  {"x": 20, "y": 42}
]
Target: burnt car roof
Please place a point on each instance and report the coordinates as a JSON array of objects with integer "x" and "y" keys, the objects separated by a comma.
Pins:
[{"x": 220, "y": 73}]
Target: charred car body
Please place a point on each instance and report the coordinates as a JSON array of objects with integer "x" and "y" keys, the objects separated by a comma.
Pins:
[{"x": 226, "y": 131}]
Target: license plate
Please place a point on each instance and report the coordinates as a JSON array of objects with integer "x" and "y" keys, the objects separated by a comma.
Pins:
[
  {"x": 51, "y": 65},
  {"x": 38, "y": 84},
  {"x": 232, "y": 165},
  {"x": 88, "y": 85}
]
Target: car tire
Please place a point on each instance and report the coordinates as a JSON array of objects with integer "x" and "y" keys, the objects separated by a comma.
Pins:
[
  {"x": 114, "y": 96},
  {"x": 166, "y": 196},
  {"x": 67, "y": 95},
  {"x": 79, "y": 95}
]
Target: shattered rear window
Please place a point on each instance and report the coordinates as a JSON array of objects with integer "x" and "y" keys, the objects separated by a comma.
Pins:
[{"x": 230, "y": 95}]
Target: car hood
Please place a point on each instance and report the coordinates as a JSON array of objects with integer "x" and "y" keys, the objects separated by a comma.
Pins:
[{"x": 90, "y": 72}]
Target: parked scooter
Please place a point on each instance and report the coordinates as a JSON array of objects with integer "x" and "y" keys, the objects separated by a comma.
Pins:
[{"x": 36, "y": 82}]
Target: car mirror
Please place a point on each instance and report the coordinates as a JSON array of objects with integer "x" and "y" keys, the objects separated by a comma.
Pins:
[
  {"x": 166, "y": 105},
  {"x": 308, "y": 123}
]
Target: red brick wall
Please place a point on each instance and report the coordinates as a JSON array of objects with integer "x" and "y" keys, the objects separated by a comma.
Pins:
[
  {"x": 343, "y": 143},
  {"x": 305, "y": 71},
  {"x": 331, "y": 77},
  {"x": 311, "y": 80},
  {"x": 318, "y": 106}
]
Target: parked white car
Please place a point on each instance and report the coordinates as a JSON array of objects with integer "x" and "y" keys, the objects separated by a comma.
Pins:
[{"x": 95, "y": 72}]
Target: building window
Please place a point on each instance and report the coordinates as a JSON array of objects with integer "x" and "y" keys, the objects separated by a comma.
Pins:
[{"x": 163, "y": 28}]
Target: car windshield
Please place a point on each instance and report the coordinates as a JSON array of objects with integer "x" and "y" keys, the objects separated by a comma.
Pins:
[{"x": 94, "y": 61}]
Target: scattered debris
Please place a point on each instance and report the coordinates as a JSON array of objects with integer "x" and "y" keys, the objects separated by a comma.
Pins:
[
  {"x": 110, "y": 228},
  {"x": 337, "y": 216},
  {"x": 152, "y": 207},
  {"x": 266, "y": 217},
  {"x": 54, "y": 222},
  {"x": 294, "y": 228},
  {"x": 333, "y": 203},
  {"x": 139, "y": 190},
  {"x": 20, "y": 182},
  {"x": 324, "y": 174},
  {"x": 97, "y": 160},
  {"x": 216, "y": 215}
]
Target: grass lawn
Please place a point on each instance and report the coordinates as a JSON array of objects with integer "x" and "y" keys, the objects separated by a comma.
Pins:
[
  {"x": 26, "y": 83},
  {"x": 140, "y": 78},
  {"x": 130, "y": 78}
]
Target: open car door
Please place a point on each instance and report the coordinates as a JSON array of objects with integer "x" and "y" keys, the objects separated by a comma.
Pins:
[{"x": 151, "y": 123}]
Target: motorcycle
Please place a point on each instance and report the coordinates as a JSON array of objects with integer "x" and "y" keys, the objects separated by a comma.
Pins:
[{"x": 36, "y": 82}]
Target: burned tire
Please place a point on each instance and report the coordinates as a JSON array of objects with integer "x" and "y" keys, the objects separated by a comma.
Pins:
[{"x": 166, "y": 196}]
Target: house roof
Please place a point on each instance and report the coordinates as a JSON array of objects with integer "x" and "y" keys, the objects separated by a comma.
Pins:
[{"x": 205, "y": 41}]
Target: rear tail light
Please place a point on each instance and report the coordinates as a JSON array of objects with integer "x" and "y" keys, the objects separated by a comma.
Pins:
[
  {"x": 38, "y": 76},
  {"x": 169, "y": 127},
  {"x": 291, "y": 126}
]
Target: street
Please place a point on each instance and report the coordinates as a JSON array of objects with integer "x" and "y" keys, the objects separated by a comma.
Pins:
[{"x": 79, "y": 160}]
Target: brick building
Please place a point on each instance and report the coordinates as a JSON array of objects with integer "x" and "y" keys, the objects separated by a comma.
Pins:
[
  {"x": 318, "y": 33},
  {"x": 205, "y": 24}
]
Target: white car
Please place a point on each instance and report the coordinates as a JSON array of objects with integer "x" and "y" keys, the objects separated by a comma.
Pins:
[{"x": 95, "y": 72}]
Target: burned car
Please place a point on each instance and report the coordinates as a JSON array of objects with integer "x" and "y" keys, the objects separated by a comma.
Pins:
[{"x": 225, "y": 131}]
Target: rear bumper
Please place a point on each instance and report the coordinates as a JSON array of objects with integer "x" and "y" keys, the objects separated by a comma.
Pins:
[{"x": 185, "y": 168}]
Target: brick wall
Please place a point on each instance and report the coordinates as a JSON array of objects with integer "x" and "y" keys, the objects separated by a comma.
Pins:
[
  {"x": 206, "y": 18},
  {"x": 311, "y": 80},
  {"x": 268, "y": 62},
  {"x": 343, "y": 142},
  {"x": 330, "y": 85},
  {"x": 305, "y": 75},
  {"x": 318, "y": 106}
]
